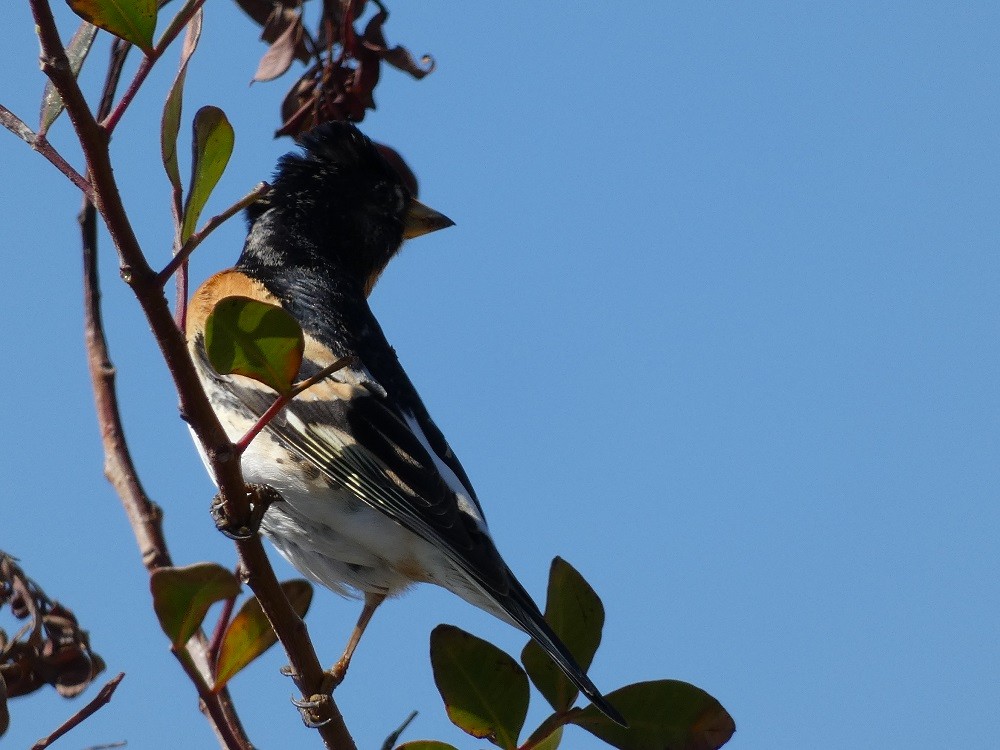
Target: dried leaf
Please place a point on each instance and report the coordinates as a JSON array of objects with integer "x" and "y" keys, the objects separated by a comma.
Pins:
[
  {"x": 4, "y": 712},
  {"x": 279, "y": 56},
  {"x": 398, "y": 57}
]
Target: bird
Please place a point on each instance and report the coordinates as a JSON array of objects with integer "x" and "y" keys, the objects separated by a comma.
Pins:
[{"x": 373, "y": 497}]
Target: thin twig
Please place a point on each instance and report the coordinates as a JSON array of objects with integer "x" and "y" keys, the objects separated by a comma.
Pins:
[
  {"x": 232, "y": 736},
  {"x": 16, "y": 125},
  {"x": 111, "y": 121},
  {"x": 215, "y": 644},
  {"x": 100, "y": 700},
  {"x": 210, "y": 226},
  {"x": 282, "y": 401}
]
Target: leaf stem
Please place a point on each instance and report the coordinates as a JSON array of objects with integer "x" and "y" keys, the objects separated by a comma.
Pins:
[
  {"x": 220, "y": 629},
  {"x": 323, "y": 374},
  {"x": 282, "y": 401},
  {"x": 148, "y": 61},
  {"x": 210, "y": 226}
]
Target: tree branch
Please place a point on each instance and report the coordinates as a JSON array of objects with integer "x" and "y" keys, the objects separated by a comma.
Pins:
[
  {"x": 16, "y": 125},
  {"x": 145, "y": 517},
  {"x": 100, "y": 700},
  {"x": 195, "y": 407}
]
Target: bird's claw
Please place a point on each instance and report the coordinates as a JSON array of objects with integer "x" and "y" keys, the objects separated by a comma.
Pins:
[
  {"x": 261, "y": 498},
  {"x": 311, "y": 708}
]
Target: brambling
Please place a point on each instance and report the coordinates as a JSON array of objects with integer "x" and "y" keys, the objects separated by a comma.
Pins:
[{"x": 374, "y": 499}]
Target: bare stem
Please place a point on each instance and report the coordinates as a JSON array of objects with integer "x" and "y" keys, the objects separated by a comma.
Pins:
[
  {"x": 211, "y": 225},
  {"x": 40, "y": 144},
  {"x": 282, "y": 401},
  {"x": 231, "y": 735},
  {"x": 101, "y": 699},
  {"x": 177, "y": 25},
  {"x": 220, "y": 629}
]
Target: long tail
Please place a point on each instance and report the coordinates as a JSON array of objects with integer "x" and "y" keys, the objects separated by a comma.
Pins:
[{"x": 521, "y": 608}]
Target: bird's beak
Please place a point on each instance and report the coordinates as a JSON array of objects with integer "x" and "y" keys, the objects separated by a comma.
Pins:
[{"x": 421, "y": 219}]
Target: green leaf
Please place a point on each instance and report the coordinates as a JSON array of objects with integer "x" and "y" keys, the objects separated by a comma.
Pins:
[
  {"x": 250, "y": 634},
  {"x": 576, "y": 615},
  {"x": 426, "y": 745},
  {"x": 182, "y": 596},
  {"x": 131, "y": 20},
  {"x": 170, "y": 124},
  {"x": 661, "y": 714},
  {"x": 212, "y": 146},
  {"x": 254, "y": 339},
  {"x": 552, "y": 741},
  {"x": 485, "y": 691},
  {"x": 76, "y": 53}
]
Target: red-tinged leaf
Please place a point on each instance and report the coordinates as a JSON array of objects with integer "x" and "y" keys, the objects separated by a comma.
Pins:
[
  {"x": 250, "y": 634},
  {"x": 576, "y": 615},
  {"x": 170, "y": 124},
  {"x": 426, "y": 745},
  {"x": 661, "y": 714},
  {"x": 485, "y": 691},
  {"x": 254, "y": 339},
  {"x": 76, "y": 53},
  {"x": 212, "y": 146},
  {"x": 279, "y": 56},
  {"x": 131, "y": 20},
  {"x": 182, "y": 596}
]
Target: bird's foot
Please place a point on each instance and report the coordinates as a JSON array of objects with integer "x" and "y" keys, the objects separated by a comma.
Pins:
[
  {"x": 335, "y": 675},
  {"x": 261, "y": 498},
  {"x": 312, "y": 709}
]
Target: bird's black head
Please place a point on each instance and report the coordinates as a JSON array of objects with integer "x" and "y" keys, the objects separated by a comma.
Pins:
[{"x": 338, "y": 207}]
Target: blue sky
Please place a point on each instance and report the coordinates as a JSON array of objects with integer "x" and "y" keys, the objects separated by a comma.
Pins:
[{"x": 717, "y": 324}]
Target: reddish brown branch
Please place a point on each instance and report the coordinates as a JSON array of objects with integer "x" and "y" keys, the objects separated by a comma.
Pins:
[
  {"x": 15, "y": 125},
  {"x": 197, "y": 410},
  {"x": 145, "y": 517},
  {"x": 101, "y": 699}
]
